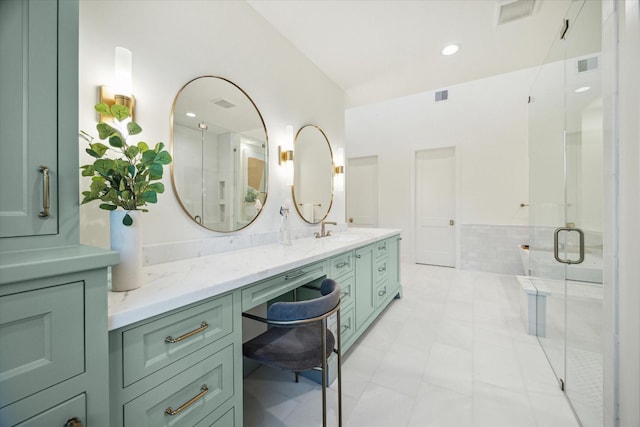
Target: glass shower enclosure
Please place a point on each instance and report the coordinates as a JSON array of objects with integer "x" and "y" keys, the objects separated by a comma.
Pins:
[{"x": 566, "y": 210}]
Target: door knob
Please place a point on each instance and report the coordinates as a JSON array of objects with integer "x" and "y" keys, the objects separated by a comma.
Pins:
[
  {"x": 351, "y": 220},
  {"x": 452, "y": 222}
]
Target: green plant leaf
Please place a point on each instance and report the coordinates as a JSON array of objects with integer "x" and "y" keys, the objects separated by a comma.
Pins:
[
  {"x": 108, "y": 207},
  {"x": 103, "y": 109},
  {"x": 120, "y": 112},
  {"x": 99, "y": 148},
  {"x": 127, "y": 220},
  {"x": 131, "y": 152},
  {"x": 159, "y": 146},
  {"x": 105, "y": 130},
  {"x": 155, "y": 171},
  {"x": 148, "y": 156},
  {"x": 92, "y": 153},
  {"x": 143, "y": 146},
  {"x": 132, "y": 170},
  {"x": 158, "y": 187},
  {"x": 163, "y": 157},
  {"x": 149, "y": 197},
  {"x": 87, "y": 170},
  {"x": 133, "y": 128},
  {"x": 116, "y": 141},
  {"x": 103, "y": 166}
]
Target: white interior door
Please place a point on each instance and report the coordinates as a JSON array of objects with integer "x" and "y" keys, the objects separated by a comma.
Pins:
[
  {"x": 362, "y": 191},
  {"x": 436, "y": 206}
]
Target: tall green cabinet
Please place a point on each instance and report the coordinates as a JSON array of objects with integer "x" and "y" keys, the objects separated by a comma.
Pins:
[{"x": 53, "y": 291}]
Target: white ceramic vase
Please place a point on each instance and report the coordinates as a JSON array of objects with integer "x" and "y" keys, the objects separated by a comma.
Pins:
[{"x": 127, "y": 240}]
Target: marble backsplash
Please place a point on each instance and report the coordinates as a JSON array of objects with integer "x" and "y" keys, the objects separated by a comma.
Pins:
[{"x": 174, "y": 251}]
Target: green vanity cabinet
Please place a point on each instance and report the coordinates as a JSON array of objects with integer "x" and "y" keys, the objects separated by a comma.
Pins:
[
  {"x": 38, "y": 124},
  {"x": 53, "y": 291},
  {"x": 53, "y": 344},
  {"x": 183, "y": 367},
  {"x": 364, "y": 297}
]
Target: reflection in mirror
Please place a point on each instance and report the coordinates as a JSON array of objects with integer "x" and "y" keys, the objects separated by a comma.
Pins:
[
  {"x": 312, "y": 174},
  {"x": 219, "y": 149}
]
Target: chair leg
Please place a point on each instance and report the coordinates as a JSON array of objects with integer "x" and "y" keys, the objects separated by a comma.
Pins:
[
  {"x": 339, "y": 352},
  {"x": 324, "y": 372},
  {"x": 297, "y": 376}
]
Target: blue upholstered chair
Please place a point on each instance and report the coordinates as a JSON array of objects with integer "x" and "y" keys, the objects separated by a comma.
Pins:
[{"x": 298, "y": 338}]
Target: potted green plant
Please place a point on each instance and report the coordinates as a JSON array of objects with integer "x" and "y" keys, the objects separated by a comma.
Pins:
[
  {"x": 123, "y": 174},
  {"x": 125, "y": 178}
]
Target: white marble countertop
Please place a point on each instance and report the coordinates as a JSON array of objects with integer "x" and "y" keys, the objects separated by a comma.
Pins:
[{"x": 175, "y": 284}]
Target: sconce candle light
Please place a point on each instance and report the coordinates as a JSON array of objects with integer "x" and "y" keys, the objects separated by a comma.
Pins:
[{"x": 120, "y": 92}]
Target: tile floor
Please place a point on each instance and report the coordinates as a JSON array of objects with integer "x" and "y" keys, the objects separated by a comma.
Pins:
[{"x": 452, "y": 352}]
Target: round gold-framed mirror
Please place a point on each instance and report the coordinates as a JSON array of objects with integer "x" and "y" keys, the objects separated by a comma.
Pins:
[
  {"x": 313, "y": 173},
  {"x": 219, "y": 145}
]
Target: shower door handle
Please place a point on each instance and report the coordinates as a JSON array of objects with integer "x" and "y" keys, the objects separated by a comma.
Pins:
[{"x": 556, "y": 255}]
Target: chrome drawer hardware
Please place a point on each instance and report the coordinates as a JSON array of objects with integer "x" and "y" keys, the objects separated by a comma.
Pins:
[
  {"x": 382, "y": 268},
  {"x": 170, "y": 340},
  {"x": 342, "y": 264},
  {"x": 345, "y": 328},
  {"x": 382, "y": 292},
  {"x": 345, "y": 294},
  {"x": 45, "y": 192},
  {"x": 171, "y": 412},
  {"x": 382, "y": 247},
  {"x": 293, "y": 276}
]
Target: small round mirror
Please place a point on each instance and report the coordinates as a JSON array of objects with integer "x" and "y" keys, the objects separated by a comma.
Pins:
[
  {"x": 219, "y": 149},
  {"x": 312, "y": 174}
]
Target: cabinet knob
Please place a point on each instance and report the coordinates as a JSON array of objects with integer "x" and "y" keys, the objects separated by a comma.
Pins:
[{"x": 73, "y": 422}]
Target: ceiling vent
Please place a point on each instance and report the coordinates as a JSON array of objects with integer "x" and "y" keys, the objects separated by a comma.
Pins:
[
  {"x": 587, "y": 64},
  {"x": 442, "y": 95},
  {"x": 224, "y": 103},
  {"x": 511, "y": 10}
]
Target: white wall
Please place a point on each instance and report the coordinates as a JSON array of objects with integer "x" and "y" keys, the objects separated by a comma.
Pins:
[
  {"x": 175, "y": 41},
  {"x": 621, "y": 108},
  {"x": 486, "y": 120}
]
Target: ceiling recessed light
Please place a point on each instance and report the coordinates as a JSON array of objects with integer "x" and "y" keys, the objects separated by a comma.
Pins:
[
  {"x": 190, "y": 114},
  {"x": 583, "y": 89},
  {"x": 451, "y": 49}
]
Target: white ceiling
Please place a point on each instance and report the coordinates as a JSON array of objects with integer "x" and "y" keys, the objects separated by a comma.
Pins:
[{"x": 381, "y": 49}]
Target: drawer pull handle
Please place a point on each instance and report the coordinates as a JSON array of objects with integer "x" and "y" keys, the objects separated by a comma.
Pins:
[
  {"x": 171, "y": 412},
  {"x": 45, "y": 192},
  {"x": 345, "y": 294},
  {"x": 73, "y": 422},
  {"x": 171, "y": 340},
  {"x": 383, "y": 268},
  {"x": 358, "y": 256},
  {"x": 382, "y": 247},
  {"x": 342, "y": 264},
  {"x": 382, "y": 292},
  {"x": 293, "y": 276},
  {"x": 345, "y": 328}
]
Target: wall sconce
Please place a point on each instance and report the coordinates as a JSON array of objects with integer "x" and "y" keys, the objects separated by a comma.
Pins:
[
  {"x": 285, "y": 154},
  {"x": 338, "y": 169},
  {"x": 120, "y": 92}
]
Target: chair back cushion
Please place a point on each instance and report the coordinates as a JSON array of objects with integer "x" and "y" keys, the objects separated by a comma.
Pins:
[{"x": 283, "y": 311}]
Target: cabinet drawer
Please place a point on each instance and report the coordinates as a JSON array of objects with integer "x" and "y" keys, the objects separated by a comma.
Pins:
[
  {"x": 347, "y": 286},
  {"x": 382, "y": 248},
  {"x": 276, "y": 286},
  {"x": 381, "y": 270},
  {"x": 228, "y": 419},
  {"x": 347, "y": 325},
  {"x": 382, "y": 293},
  {"x": 42, "y": 336},
  {"x": 340, "y": 265},
  {"x": 206, "y": 385},
  {"x": 147, "y": 348},
  {"x": 60, "y": 414}
]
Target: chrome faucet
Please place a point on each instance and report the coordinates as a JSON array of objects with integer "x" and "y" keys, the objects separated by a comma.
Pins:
[{"x": 323, "y": 232}]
